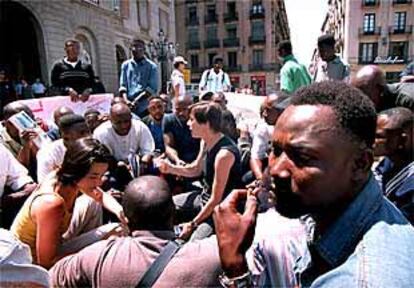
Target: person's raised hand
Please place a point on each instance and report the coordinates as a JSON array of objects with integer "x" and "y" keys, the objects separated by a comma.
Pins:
[
  {"x": 235, "y": 231},
  {"x": 85, "y": 95}
]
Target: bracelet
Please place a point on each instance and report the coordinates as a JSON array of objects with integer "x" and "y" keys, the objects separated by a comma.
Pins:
[{"x": 242, "y": 281}]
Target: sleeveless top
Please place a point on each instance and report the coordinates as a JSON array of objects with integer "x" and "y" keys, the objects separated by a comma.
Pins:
[
  {"x": 24, "y": 228},
  {"x": 234, "y": 179}
]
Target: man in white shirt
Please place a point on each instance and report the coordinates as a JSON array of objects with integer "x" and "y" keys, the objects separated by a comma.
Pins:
[
  {"x": 50, "y": 157},
  {"x": 14, "y": 176},
  {"x": 215, "y": 79},
  {"x": 177, "y": 79},
  {"x": 125, "y": 136}
]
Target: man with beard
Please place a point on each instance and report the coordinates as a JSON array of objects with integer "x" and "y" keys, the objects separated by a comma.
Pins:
[
  {"x": 156, "y": 110},
  {"x": 180, "y": 146},
  {"x": 320, "y": 168}
]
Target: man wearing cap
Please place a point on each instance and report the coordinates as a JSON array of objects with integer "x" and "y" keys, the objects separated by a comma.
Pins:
[
  {"x": 177, "y": 79},
  {"x": 215, "y": 79},
  {"x": 139, "y": 78}
]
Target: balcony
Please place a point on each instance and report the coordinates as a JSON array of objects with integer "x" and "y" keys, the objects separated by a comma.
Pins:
[
  {"x": 370, "y": 3},
  {"x": 193, "y": 45},
  {"x": 210, "y": 19},
  {"x": 212, "y": 43},
  {"x": 257, "y": 39},
  {"x": 257, "y": 13},
  {"x": 231, "y": 42},
  {"x": 237, "y": 68},
  {"x": 230, "y": 17},
  {"x": 191, "y": 21},
  {"x": 407, "y": 29},
  {"x": 366, "y": 60},
  {"x": 275, "y": 67},
  {"x": 365, "y": 31},
  {"x": 197, "y": 69},
  {"x": 397, "y": 2},
  {"x": 256, "y": 67}
]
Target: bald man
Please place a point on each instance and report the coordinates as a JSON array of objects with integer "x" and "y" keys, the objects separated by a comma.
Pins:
[
  {"x": 123, "y": 261},
  {"x": 394, "y": 140},
  {"x": 124, "y": 135},
  {"x": 370, "y": 79},
  {"x": 54, "y": 132}
]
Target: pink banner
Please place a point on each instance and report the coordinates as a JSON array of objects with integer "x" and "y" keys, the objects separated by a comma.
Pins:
[{"x": 44, "y": 107}]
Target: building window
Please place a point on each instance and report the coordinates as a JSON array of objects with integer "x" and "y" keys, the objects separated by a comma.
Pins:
[
  {"x": 368, "y": 52},
  {"x": 399, "y": 21},
  {"x": 142, "y": 6},
  {"x": 193, "y": 35},
  {"x": 370, "y": 2},
  {"x": 211, "y": 32},
  {"x": 232, "y": 59},
  {"x": 211, "y": 12},
  {"x": 258, "y": 57},
  {"x": 232, "y": 33},
  {"x": 231, "y": 8},
  {"x": 369, "y": 23},
  {"x": 257, "y": 7},
  {"x": 257, "y": 29},
  {"x": 211, "y": 59},
  {"x": 194, "y": 61},
  {"x": 399, "y": 50},
  {"x": 192, "y": 15}
]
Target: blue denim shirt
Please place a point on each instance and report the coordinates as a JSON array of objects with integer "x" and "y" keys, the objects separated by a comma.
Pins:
[
  {"x": 137, "y": 77},
  {"x": 370, "y": 245}
]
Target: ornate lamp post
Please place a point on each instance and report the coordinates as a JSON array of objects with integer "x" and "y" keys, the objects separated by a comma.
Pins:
[{"x": 164, "y": 52}]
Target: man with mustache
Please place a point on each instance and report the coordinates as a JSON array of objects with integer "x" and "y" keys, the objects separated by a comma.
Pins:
[{"x": 320, "y": 168}]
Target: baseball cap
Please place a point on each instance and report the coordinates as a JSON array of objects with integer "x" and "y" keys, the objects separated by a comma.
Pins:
[
  {"x": 179, "y": 59},
  {"x": 16, "y": 263}
]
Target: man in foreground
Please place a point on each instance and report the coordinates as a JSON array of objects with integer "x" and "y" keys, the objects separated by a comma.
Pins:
[
  {"x": 320, "y": 168},
  {"x": 122, "y": 262}
]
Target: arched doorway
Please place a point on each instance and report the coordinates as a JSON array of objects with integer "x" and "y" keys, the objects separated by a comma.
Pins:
[{"x": 22, "y": 51}]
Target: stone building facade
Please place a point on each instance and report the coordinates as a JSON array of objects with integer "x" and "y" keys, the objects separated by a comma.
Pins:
[
  {"x": 373, "y": 32},
  {"x": 33, "y": 33},
  {"x": 244, "y": 33}
]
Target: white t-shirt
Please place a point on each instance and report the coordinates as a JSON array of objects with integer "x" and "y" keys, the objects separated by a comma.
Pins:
[
  {"x": 215, "y": 82},
  {"x": 261, "y": 141},
  {"x": 49, "y": 158},
  {"x": 177, "y": 78},
  {"x": 138, "y": 140},
  {"x": 12, "y": 173}
]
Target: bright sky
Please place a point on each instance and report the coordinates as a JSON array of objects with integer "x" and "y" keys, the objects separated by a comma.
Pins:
[{"x": 305, "y": 21}]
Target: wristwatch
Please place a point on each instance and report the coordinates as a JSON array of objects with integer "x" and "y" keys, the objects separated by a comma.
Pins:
[{"x": 243, "y": 281}]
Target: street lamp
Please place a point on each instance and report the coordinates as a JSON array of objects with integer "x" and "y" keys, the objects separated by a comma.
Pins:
[{"x": 164, "y": 52}]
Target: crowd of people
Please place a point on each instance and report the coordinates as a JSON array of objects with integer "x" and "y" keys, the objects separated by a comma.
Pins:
[{"x": 162, "y": 191}]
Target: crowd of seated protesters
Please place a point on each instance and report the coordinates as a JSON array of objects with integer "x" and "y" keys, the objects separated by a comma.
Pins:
[{"x": 162, "y": 177}]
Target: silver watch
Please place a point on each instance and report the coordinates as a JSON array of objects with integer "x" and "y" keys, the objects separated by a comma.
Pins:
[{"x": 243, "y": 281}]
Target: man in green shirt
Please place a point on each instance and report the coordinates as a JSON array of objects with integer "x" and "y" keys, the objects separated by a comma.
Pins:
[{"x": 293, "y": 75}]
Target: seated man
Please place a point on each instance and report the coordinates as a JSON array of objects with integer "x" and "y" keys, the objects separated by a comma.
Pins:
[
  {"x": 180, "y": 146},
  {"x": 21, "y": 145},
  {"x": 14, "y": 178},
  {"x": 321, "y": 168},
  {"x": 126, "y": 138},
  {"x": 154, "y": 121},
  {"x": 123, "y": 261},
  {"x": 394, "y": 140},
  {"x": 370, "y": 79},
  {"x": 72, "y": 127},
  {"x": 271, "y": 108},
  {"x": 54, "y": 132}
]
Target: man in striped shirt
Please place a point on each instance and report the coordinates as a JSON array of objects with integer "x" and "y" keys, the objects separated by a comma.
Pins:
[{"x": 70, "y": 76}]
